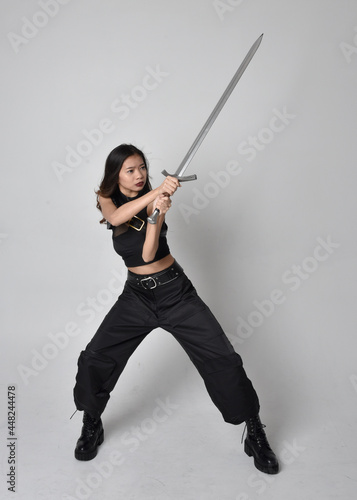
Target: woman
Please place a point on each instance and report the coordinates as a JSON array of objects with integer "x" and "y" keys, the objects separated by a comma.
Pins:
[{"x": 157, "y": 293}]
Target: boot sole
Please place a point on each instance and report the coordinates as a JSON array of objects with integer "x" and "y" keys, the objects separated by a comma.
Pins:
[
  {"x": 92, "y": 454},
  {"x": 273, "y": 469}
]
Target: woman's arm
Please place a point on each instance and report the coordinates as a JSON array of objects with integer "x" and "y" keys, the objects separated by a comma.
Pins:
[
  {"x": 151, "y": 243},
  {"x": 122, "y": 214},
  {"x": 117, "y": 216}
]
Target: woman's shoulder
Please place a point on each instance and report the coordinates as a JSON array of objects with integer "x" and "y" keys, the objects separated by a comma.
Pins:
[{"x": 109, "y": 200}]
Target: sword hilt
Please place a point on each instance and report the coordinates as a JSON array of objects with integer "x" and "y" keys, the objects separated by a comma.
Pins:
[{"x": 153, "y": 217}]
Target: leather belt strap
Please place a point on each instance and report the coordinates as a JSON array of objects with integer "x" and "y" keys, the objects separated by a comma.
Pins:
[{"x": 151, "y": 281}]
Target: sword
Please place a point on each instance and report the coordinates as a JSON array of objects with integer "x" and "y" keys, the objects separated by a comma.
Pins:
[{"x": 209, "y": 122}]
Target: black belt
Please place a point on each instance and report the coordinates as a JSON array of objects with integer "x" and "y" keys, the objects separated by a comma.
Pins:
[{"x": 151, "y": 281}]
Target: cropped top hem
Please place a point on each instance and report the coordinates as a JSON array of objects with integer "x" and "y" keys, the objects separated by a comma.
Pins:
[{"x": 128, "y": 238}]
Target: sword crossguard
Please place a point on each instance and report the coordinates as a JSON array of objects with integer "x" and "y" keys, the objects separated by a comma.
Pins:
[
  {"x": 153, "y": 217},
  {"x": 180, "y": 178}
]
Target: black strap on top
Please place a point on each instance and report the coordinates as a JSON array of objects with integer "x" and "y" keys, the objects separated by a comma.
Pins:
[{"x": 138, "y": 221}]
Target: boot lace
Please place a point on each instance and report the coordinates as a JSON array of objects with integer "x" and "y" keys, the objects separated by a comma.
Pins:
[
  {"x": 256, "y": 429},
  {"x": 89, "y": 424}
]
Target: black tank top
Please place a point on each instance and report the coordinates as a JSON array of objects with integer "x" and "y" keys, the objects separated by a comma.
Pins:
[{"x": 128, "y": 238}]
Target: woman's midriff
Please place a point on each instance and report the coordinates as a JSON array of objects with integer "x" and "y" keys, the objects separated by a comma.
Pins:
[{"x": 154, "y": 267}]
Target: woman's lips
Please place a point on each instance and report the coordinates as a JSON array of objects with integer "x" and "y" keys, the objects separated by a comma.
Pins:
[{"x": 139, "y": 184}]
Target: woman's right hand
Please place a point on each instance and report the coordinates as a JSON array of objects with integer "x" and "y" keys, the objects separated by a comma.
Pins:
[
  {"x": 169, "y": 185},
  {"x": 162, "y": 203}
]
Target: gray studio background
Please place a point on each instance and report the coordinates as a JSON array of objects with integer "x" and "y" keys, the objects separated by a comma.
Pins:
[{"x": 266, "y": 233}]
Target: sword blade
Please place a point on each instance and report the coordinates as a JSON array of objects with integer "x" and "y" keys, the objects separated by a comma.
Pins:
[
  {"x": 209, "y": 122},
  {"x": 212, "y": 117}
]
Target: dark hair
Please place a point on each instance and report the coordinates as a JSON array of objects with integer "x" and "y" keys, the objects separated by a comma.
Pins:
[{"x": 109, "y": 184}]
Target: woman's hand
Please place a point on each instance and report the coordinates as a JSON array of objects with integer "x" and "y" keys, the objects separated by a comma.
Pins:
[
  {"x": 162, "y": 203},
  {"x": 169, "y": 186}
]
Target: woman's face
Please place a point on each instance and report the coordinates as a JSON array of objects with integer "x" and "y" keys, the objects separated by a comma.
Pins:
[{"x": 132, "y": 176}]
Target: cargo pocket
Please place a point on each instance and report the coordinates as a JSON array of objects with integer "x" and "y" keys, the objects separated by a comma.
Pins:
[
  {"x": 95, "y": 379},
  {"x": 230, "y": 389},
  {"x": 223, "y": 363}
]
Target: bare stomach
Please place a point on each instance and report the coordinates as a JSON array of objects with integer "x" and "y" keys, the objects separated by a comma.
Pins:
[{"x": 155, "y": 267}]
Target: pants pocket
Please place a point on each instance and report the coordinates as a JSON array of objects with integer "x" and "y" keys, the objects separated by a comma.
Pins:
[{"x": 94, "y": 381}]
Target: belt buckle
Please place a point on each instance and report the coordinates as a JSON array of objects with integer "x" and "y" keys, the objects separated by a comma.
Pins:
[
  {"x": 148, "y": 287},
  {"x": 134, "y": 227}
]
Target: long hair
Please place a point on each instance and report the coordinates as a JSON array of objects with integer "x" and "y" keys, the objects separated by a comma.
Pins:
[{"x": 109, "y": 184}]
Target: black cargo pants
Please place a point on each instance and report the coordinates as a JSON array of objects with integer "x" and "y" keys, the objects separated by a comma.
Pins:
[{"x": 175, "y": 307}]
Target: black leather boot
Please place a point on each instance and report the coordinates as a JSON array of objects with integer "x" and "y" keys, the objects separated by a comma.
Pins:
[
  {"x": 91, "y": 437},
  {"x": 256, "y": 445}
]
